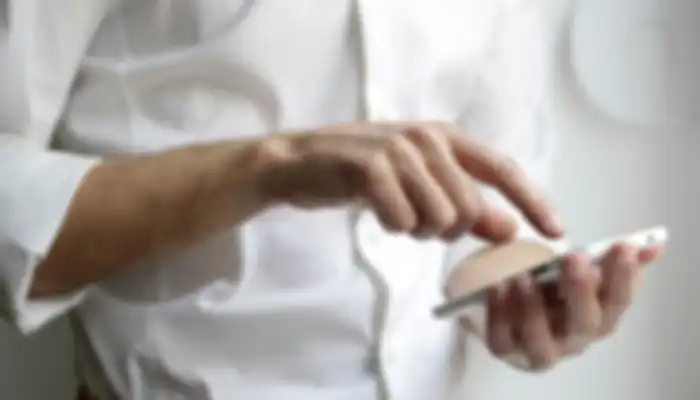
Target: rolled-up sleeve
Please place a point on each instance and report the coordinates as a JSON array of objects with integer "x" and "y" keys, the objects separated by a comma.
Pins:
[
  {"x": 510, "y": 112},
  {"x": 40, "y": 51},
  {"x": 36, "y": 188}
]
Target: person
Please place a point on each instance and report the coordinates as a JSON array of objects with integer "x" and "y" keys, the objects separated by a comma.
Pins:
[{"x": 263, "y": 200}]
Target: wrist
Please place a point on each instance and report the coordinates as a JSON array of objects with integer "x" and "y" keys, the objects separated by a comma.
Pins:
[{"x": 275, "y": 162}]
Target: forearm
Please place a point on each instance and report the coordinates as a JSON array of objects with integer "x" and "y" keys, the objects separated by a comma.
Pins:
[{"x": 127, "y": 210}]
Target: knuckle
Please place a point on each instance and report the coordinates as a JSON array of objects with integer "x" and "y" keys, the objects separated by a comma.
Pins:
[
  {"x": 395, "y": 139},
  {"x": 543, "y": 362},
  {"x": 430, "y": 133},
  {"x": 397, "y": 147},
  {"x": 445, "y": 127},
  {"x": 470, "y": 210},
  {"x": 375, "y": 171},
  {"x": 587, "y": 329},
  {"x": 421, "y": 132},
  {"x": 435, "y": 163},
  {"x": 375, "y": 166},
  {"x": 499, "y": 349},
  {"x": 275, "y": 149}
]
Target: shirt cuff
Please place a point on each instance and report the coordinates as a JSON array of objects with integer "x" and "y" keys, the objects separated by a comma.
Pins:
[{"x": 36, "y": 189}]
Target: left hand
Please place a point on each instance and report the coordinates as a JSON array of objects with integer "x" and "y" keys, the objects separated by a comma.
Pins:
[{"x": 533, "y": 327}]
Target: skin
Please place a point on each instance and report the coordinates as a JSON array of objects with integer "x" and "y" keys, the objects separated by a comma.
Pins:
[
  {"x": 420, "y": 178},
  {"x": 533, "y": 327}
]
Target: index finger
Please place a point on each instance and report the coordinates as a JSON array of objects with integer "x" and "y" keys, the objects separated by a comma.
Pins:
[{"x": 505, "y": 174}]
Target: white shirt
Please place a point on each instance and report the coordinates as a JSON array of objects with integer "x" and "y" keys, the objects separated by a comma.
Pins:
[{"x": 293, "y": 304}]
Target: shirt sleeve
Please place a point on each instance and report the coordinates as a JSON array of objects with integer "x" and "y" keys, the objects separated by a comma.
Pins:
[
  {"x": 509, "y": 111},
  {"x": 40, "y": 51}
]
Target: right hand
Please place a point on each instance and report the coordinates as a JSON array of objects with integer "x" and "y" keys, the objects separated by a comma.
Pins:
[{"x": 420, "y": 178}]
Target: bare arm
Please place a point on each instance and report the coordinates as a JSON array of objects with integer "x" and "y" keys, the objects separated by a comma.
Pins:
[{"x": 130, "y": 209}]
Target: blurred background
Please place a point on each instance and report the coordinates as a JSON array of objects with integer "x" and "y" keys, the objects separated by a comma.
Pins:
[
  {"x": 617, "y": 175},
  {"x": 620, "y": 167}
]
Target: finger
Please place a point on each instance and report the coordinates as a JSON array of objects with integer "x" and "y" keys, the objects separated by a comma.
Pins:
[
  {"x": 554, "y": 300},
  {"x": 432, "y": 205},
  {"x": 536, "y": 336},
  {"x": 508, "y": 177},
  {"x": 457, "y": 185},
  {"x": 495, "y": 226},
  {"x": 620, "y": 269},
  {"x": 499, "y": 329},
  {"x": 390, "y": 201},
  {"x": 579, "y": 284},
  {"x": 650, "y": 254}
]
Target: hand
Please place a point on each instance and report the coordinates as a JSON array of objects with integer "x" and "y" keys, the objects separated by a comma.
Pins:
[
  {"x": 534, "y": 327},
  {"x": 419, "y": 178}
]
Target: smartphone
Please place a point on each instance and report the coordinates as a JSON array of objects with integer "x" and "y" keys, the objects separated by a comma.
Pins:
[{"x": 549, "y": 270}]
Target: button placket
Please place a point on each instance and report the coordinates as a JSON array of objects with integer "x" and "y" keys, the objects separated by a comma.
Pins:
[
  {"x": 369, "y": 238},
  {"x": 371, "y": 241},
  {"x": 397, "y": 266},
  {"x": 378, "y": 80},
  {"x": 392, "y": 257},
  {"x": 378, "y": 105}
]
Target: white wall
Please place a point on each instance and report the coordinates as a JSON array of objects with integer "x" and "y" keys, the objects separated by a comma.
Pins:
[{"x": 609, "y": 181}]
